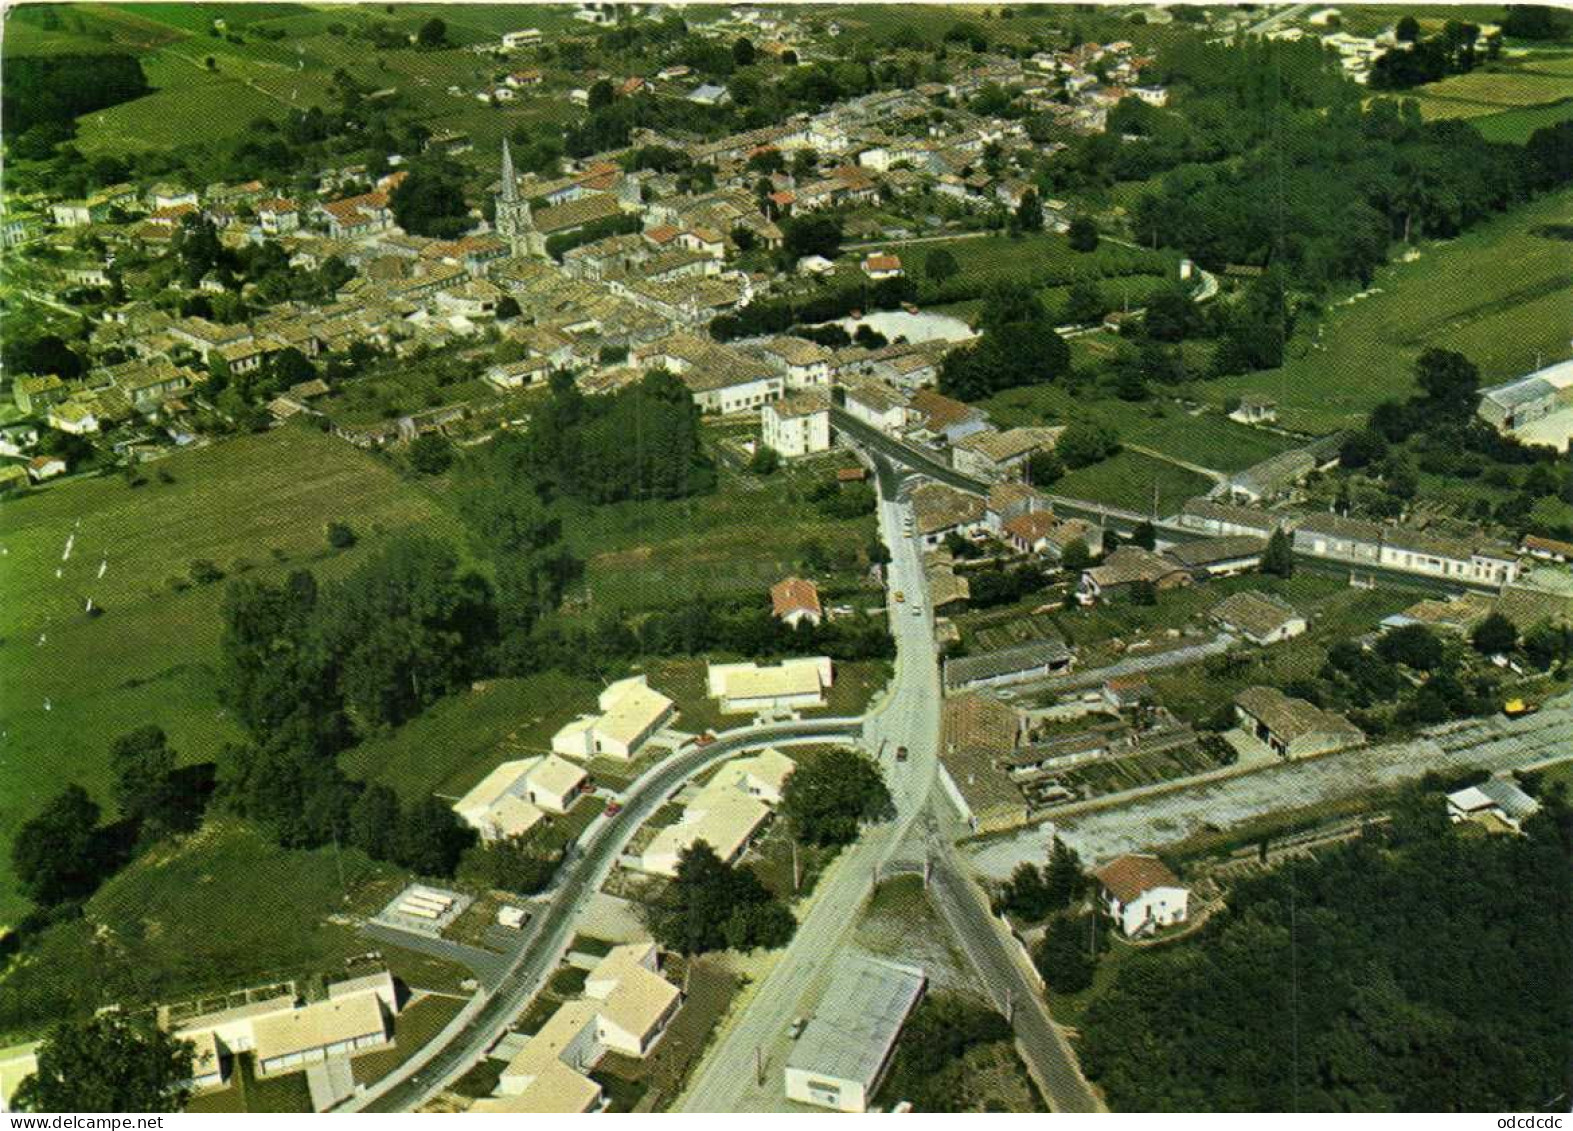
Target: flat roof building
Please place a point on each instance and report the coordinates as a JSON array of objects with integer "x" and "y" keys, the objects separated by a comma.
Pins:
[{"x": 842, "y": 1056}]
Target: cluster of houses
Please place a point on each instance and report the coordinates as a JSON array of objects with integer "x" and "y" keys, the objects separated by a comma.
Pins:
[
  {"x": 626, "y": 1008},
  {"x": 726, "y": 813}
]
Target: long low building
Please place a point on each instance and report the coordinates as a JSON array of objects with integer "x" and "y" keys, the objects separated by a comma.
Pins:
[
  {"x": 1032, "y": 660},
  {"x": 749, "y": 688},
  {"x": 843, "y": 1054},
  {"x": 1293, "y": 728}
]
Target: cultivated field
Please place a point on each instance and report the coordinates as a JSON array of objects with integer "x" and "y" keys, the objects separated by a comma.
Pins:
[
  {"x": 256, "y": 504},
  {"x": 1499, "y": 294}
]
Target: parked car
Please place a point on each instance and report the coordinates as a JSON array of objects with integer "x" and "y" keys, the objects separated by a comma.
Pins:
[
  {"x": 901, "y": 753},
  {"x": 613, "y": 808}
]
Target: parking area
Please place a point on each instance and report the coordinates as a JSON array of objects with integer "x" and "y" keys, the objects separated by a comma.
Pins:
[{"x": 423, "y": 910}]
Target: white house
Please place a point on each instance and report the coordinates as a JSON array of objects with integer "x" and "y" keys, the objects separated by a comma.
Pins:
[
  {"x": 878, "y": 265},
  {"x": 515, "y": 796},
  {"x": 1141, "y": 894},
  {"x": 732, "y": 807},
  {"x": 762, "y": 775},
  {"x": 524, "y": 37},
  {"x": 795, "y": 600},
  {"x": 630, "y": 712},
  {"x": 749, "y": 688},
  {"x": 1497, "y": 803},
  {"x": 797, "y": 425}
]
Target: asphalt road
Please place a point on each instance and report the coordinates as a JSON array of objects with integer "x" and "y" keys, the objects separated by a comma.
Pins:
[
  {"x": 552, "y": 923},
  {"x": 1048, "y": 1055},
  {"x": 729, "y": 1079}
]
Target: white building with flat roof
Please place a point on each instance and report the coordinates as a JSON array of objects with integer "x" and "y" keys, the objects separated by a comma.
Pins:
[
  {"x": 517, "y": 795},
  {"x": 750, "y": 688},
  {"x": 843, "y": 1054}
]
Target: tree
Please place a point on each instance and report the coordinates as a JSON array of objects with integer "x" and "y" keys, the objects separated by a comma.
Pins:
[
  {"x": 1278, "y": 558},
  {"x": 1075, "y": 557},
  {"x": 601, "y": 95},
  {"x": 1043, "y": 468},
  {"x": 1144, "y": 535},
  {"x": 432, "y": 839},
  {"x": 1170, "y": 315},
  {"x": 766, "y": 460},
  {"x": 1083, "y": 235},
  {"x": 1413, "y": 645},
  {"x": 1029, "y": 213},
  {"x": 507, "y": 308},
  {"x": 743, "y": 51},
  {"x": 1066, "y": 955},
  {"x": 1449, "y": 381},
  {"x": 813, "y": 235},
  {"x": 711, "y": 906},
  {"x": 57, "y": 855},
  {"x": 431, "y": 454},
  {"x": 142, "y": 765},
  {"x": 941, "y": 265},
  {"x": 1495, "y": 635},
  {"x": 1084, "y": 443},
  {"x": 430, "y": 200},
  {"x": 521, "y": 863},
  {"x": 340, "y": 535},
  {"x": 829, "y": 795},
  {"x": 110, "y": 1063},
  {"x": 376, "y": 821},
  {"x": 433, "y": 33},
  {"x": 1407, "y": 30},
  {"x": 1085, "y": 303}
]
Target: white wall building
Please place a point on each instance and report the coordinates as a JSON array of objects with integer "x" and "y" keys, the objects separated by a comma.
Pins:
[
  {"x": 1141, "y": 894},
  {"x": 749, "y": 688},
  {"x": 631, "y": 711},
  {"x": 797, "y": 425}
]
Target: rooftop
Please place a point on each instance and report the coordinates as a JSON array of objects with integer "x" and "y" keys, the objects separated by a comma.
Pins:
[
  {"x": 855, "y": 1026},
  {"x": 1128, "y": 877}
]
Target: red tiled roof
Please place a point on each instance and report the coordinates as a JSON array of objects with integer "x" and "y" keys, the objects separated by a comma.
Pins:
[
  {"x": 882, "y": 263},
  {"x": 1127, "y": 877},
  {"x": 794, "y": 595}
]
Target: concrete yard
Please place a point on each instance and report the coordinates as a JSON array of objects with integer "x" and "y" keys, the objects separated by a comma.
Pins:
[{"x": 1161, "y": 818}]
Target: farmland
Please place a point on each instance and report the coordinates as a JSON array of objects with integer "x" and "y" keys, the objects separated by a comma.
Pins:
[
  {"x": 1499, "y": 295},
  {"x": 257, "y": 503},
  {"x": 1483, "y": 91}
]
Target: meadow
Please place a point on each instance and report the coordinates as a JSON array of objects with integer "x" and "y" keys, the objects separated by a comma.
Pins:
[
  {"x": 255, "y": 505},
  {"x": 1500, "y": 294}
]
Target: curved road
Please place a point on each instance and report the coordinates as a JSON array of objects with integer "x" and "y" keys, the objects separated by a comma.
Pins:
[{"x": 549, "y": 931}]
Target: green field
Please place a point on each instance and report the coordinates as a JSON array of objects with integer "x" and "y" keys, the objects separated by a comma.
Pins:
[
  {"x": 456, "y": 743},
  {"x": 220, "y": 910},
  {"x": 1482, "y": 91},
  {"x": 995, "y": 257},
  {"x": 741, "y": 538},
  {"x": 1515, "y": 126},
  {"x": 261, "y": 500},
  {"x": 1127, "y": 479},
  {"x": 1500, "y": 294}
]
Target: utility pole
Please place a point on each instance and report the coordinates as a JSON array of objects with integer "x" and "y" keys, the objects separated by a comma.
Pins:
[
  {"x": 759, "y": 1065},
  {"x": 797, "y": 869}
]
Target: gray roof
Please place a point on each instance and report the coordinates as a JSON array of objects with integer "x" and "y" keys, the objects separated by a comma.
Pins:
[
  {"x": 1523, "y": 391},
  {"x": 1213, "y": 551},
  {"x": 856, "y": 1025},
  {"x": 1509, "y": 797},
  {"x": 1021, "y": 658}
]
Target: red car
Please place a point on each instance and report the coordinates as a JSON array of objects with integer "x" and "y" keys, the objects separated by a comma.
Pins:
[
  {"x": 613, "y": 808},
  {"x": 704, "y": 739}
]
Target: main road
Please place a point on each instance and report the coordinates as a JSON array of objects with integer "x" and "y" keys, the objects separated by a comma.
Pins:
[
  {"x": 744, "y": 1070},
  {"x": 488, "y": 1016}
]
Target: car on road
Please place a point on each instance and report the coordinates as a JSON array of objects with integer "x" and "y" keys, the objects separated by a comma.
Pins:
[
  {"x": 917, "y": 610},
  {"x": 900, "y": 596},
  {"x": 705, "y": 739},
  {"x": 901, "y": 753},
  {"x": 613, "y": 808},
  {"x": 795, "y": 1030}
]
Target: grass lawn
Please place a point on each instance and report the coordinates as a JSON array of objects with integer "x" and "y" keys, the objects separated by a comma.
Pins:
[
  {"x": 1046, "y": 257},
  {"x": 1127, "y": 479},
  {"x": 771, "y": 859},
  {"x": 741, "y": 538},
  {"x": 451, "y": 747},
  {"x": 421, "y": 1021},
  {"x": 1069, "y": 1009},
  {"x": 255, "y": 504},
  {"x": 1484, "y": 91},
  {"x": 220, "y": 910},
  {"x": 1516, "y": 125},
  {"x": 1499, "y": 294},
  {"x": 248, "y": 1092}
]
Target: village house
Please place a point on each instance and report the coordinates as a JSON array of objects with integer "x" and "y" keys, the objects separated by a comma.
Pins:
[
  {"x": 795, "y": 600},
  {"x": 1036, "y": 659},
  {"x": 876, "y": 404},
  {"x": 726, "y": 813},
  {"x": 1126, "y": 567},
  {"x": 1259, "y": 617},
  {"x": 945, "y": 417},
  {"x": 939, "y": 511},
  {"x": 803, "y": 363},
  {"x": 1293, "y": 728},
  {"x": 978, "y": 736},
  {"x": 1207, "y": 516},
  {"x": 1141, "y": 894},
  {"x": 994, "y": 456},
  {"x": 878, "y": 265},
  {"x": 798, "y": 424},
  {"x": 517, "y": 795},
  {"x": 721, "y": 379},
  {"x": 630, "y": 712}
]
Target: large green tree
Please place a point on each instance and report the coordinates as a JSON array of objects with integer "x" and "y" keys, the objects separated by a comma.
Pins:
[
  {"x": 58, "y": 855},
  {"x": 831, "y": 794},
  {"x": 109, "y": 1063}
]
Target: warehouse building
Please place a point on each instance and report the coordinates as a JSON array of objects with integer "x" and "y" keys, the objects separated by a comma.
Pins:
[{"x": 842, "y": 1056}]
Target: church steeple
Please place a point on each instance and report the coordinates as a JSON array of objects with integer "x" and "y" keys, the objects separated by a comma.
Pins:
[
  {"x": 510, "y": 182},
  {"x": 514, "y": 221}
]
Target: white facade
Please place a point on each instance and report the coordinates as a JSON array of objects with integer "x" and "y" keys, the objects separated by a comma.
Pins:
[
  {"x": 1155, "y": 907},
  {"x": 786, "y": 427},
  {"x": 751, "y": 688},
  {"x": 631, "y": 711}
]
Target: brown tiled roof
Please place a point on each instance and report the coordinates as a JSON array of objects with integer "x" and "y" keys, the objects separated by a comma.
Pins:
[
  {"x": 1254, "y": 613},
  {"x": 794, "y": 595},
  {"x": 1289, "y": 718},
  {"x": 1127, "y": 877}
]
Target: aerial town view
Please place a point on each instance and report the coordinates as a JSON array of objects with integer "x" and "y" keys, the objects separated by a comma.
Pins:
[{"x": 661, "y": 557}]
